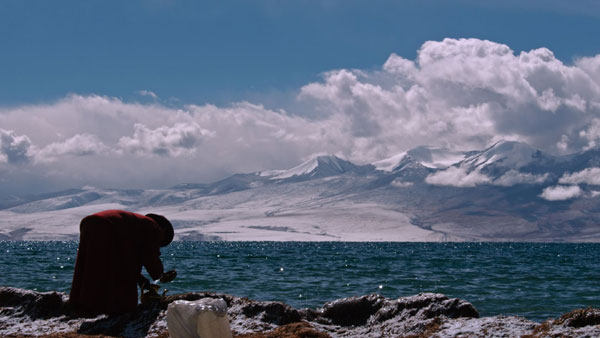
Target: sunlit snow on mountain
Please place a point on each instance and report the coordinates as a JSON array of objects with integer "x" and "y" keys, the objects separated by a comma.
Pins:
[{"x": 507, "y": 192}]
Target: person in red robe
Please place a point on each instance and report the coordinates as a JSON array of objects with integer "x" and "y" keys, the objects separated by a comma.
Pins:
[{"x": 113, "y": 247}]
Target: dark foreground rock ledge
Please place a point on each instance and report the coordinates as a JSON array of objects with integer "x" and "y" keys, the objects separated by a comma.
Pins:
[{"x": 25, "y": 313}]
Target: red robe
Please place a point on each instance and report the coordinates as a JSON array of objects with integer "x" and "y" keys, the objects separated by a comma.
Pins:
[{"x": 113, "y": 247}]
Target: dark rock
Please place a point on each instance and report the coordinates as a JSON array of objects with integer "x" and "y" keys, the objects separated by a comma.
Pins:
[
  {"x": 29, "y": 313},
  {"x": 352, "y": 311},
  {"x": 272, "y": 312},
  {"x": 425, "y": 306},
  {"x": 580, "y": 318},
  {"x": 118, "y": 325},
  {"x": 452, "y": 308},
  {"x": 33, "y": 304}
]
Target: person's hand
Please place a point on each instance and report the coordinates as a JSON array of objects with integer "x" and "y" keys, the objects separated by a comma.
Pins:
[
  {"x": 168, "y": 276},
  {"x": 150, "y": 293},
  {"x": 153, "y": 289}
]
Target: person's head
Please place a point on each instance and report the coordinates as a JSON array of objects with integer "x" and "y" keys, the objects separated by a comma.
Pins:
[{"x": 166, "y": 228}]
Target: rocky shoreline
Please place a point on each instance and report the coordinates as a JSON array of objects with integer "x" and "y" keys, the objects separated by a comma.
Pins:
[{"x": 26, "y": 313}]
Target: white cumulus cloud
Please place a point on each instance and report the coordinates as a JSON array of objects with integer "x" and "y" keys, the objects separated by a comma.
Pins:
[
  {"x": 591, "y": 134},
  {"x": 457, "y": 177},
  {"x": 513, "y": 177},
  {"x": 14, "y": 149},
  {"x": 102, "y": 141},
  {"x": 164, "y": 141},
  {"x": 587, "y": 176},
  {"x": 457, "y": 94},
  {"x": 148, "y": 93},
  {"x": 464, "y": 93},
  {"x": 561, "y": 192},
  {"x": 78, "y": 145}
]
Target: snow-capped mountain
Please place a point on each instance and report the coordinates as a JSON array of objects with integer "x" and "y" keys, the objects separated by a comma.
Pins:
[
  {"x": 504, "y": 156},
  {"x": 509, "y": 191},
  {"x": 429, "y": 157},
  {"x": 320, "y": 166}
]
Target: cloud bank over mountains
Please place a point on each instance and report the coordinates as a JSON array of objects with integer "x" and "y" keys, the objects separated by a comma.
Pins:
[{"x": 460, "y": 94}]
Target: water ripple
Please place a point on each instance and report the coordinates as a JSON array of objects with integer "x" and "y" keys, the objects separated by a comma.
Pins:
[{"x": 532, "y": 280}]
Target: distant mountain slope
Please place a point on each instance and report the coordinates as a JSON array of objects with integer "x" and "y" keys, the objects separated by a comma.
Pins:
[
  {"x": 509, "y": 155},
  {"x": 430, "y": 157},
  {"x": 318, "y": 167},
  {"x": 507, "y": 192}
]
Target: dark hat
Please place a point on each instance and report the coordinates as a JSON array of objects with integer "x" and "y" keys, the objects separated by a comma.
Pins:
[{"x": 164, "y": 223}]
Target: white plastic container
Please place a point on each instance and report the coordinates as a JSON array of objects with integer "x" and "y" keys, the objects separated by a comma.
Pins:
[{"x": 203, "y": 318}]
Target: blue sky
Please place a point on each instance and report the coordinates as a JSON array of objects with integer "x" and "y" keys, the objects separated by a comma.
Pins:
[
  {"x": 225, "y": 51},
  {"x": 154, "y": 93}
]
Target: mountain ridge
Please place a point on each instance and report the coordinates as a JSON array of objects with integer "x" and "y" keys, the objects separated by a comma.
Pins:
[{"x": 507, "y": 192}]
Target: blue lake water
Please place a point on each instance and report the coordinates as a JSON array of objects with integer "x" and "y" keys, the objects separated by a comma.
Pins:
[{"x": 536, "y": 281}]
